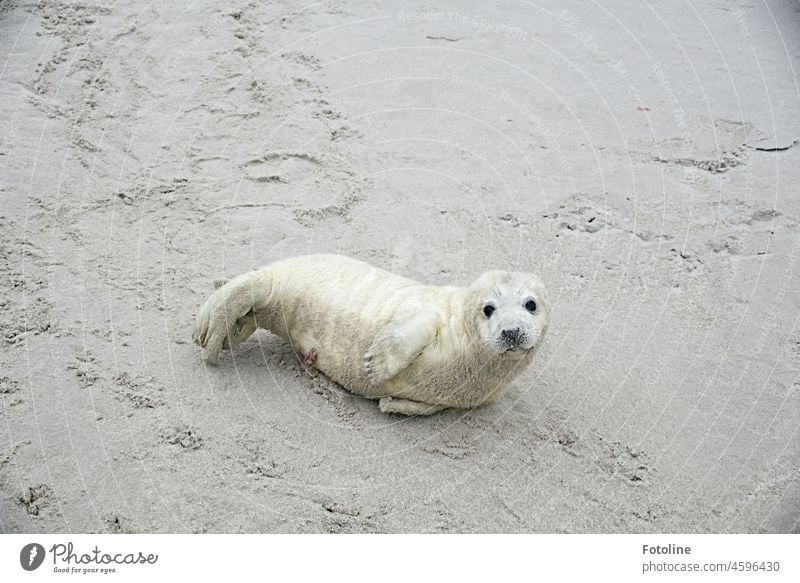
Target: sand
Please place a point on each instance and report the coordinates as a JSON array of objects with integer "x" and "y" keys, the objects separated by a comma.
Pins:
[{"x": 642, "y": 159}]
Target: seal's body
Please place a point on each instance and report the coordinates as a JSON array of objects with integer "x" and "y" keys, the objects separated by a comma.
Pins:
[{"x": 418, "y": 348}]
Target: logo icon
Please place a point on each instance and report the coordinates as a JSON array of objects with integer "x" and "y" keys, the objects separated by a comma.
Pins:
[{"x": 31, "y": 556}]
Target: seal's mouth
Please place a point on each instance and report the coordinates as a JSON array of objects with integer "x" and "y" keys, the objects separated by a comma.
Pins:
[
  {"x": 523, "y": 346},
  {"x": 516, "y": 344},
  {"x": 515, "y": 350}
]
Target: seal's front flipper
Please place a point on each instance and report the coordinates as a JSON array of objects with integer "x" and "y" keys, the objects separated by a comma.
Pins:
[
  {"x": 406, "y": 407},
  {"x": 396, "y": 346}
]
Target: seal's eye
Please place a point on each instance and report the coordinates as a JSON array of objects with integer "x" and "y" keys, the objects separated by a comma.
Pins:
[
  {"x": 488, "y": 309},
  {"x": 530, "y": 305}
]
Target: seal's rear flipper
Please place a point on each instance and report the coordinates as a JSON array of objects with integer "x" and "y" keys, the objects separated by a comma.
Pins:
[
  {"x": 218, "y": 283},
  {"x": 227, "y": 318}
]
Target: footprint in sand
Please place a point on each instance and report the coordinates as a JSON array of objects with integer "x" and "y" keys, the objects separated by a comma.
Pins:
[{"x": 281, "y": 167}]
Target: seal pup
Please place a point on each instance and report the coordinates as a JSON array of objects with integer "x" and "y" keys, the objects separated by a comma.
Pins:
[{"x": 417, "y": 348}]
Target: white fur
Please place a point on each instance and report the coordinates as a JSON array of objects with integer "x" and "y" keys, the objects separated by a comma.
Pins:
[{"x": 418, "y": 348}]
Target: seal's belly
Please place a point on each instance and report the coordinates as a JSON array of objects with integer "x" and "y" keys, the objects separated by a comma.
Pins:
[
  {"x": 335, "y": 309},
  {"x": 339, "y": 351},
  {"x": 340, "y": 357}
]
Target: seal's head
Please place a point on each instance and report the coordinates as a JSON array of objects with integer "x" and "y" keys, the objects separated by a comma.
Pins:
[{"x": 511, "y": 312}]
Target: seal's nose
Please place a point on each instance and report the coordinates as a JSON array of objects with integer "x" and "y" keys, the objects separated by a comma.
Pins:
[{"x": 511, "y": 335}]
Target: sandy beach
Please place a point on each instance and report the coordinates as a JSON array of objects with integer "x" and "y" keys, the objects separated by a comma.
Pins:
[{"x": 643, "y": 158}]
